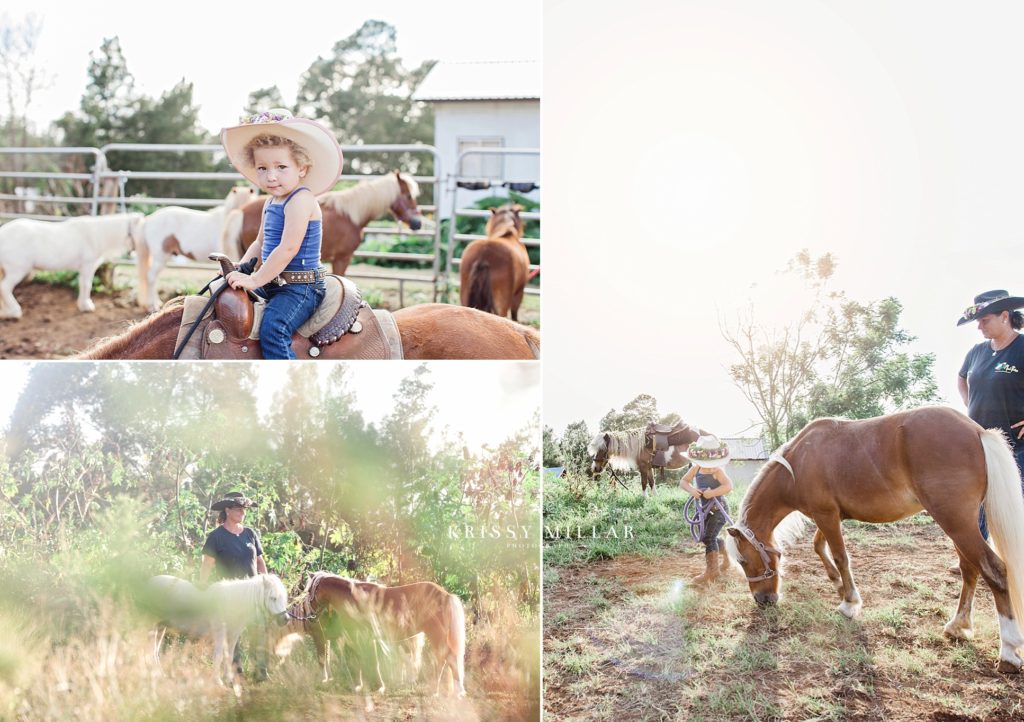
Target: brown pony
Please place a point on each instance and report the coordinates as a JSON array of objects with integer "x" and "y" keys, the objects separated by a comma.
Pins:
[
  {"x": 628, "y": 450},
  {"x": 428, "y": 331},
  {"x": 345, "y": 609},
  {"x": 494, "y": 269},
  {"x": 881, "y": 470},
  {"x": 345, "y": 214}
]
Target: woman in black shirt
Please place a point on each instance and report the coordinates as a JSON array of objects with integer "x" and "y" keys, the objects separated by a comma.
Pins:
[{"x": 991, "y": 380}]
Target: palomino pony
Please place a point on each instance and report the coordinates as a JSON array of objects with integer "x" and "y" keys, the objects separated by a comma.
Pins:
[
  {"x": 77, "y": 244},
  {"x": 631, "y": 450},
  {"x": 346, "y": 213},
  {"x": 428, "y": 331},
  {"x": 880, "y": 470},
  {"x": 494, "y": 270},
  {"x": 184, "y": 232},
  {"x": 221, "y": 612},
  {"x": 393, "y": 615}
]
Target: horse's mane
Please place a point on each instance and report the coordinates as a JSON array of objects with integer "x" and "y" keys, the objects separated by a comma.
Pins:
[
  {"x": 369, "y": 198},
  {"x": 792, "y": 526},
  {"x": 504, "y": 222},
  {"x": 114, "y": 347},
  {"x": 623, "y": 447}
]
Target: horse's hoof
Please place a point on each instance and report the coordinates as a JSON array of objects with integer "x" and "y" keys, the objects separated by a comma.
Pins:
[
  {"x": 957, "y": 632},
  {"x": 850, "y": 610},
  {"x": 87, "y": 307},
  {"x": 1008, "y": 667}
]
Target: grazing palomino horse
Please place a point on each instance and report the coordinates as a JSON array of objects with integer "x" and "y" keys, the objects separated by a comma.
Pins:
[
  {"x": 428, "y": 330},
  {"x": 881, "y": 470},
  {"x": 222, "y": 611},
  {"x": 494, "y": 270},
  {"x": 345, "y": 214},
  {"x": 174, "y": 230},
  {"x": 77, "y": 244},
  {"x": 633, "y": 449},
  {"x": 392, "y": 615}
]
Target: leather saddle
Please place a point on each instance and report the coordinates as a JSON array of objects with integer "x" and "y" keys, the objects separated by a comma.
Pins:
[
  {"x": 660, "y": 438},
  {"x": 230, "y": 329}
]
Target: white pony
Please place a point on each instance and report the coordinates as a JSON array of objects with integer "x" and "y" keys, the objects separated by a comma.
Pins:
[
  {"x": 186, "y": 232},
  {"x": 77, "y": 244},
  {"x": 220, "y": 612}
]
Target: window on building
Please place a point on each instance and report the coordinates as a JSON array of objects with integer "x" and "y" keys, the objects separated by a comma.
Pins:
[{"x": 482, "y": 165}]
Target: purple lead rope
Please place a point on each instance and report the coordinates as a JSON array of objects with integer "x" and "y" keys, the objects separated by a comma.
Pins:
[{"x": 696, "y": 513}]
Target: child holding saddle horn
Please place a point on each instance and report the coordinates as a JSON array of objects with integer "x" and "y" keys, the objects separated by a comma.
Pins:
[
  {"x": 708, "y": 457},
  {"x": 294, "y": 160}
]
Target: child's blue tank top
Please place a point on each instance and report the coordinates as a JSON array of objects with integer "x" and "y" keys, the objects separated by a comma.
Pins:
[{"x": 273, "y": 227}]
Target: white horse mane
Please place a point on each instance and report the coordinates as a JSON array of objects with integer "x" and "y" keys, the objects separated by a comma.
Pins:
[
  {"x": 790, "y": 528},
  {"x": 623, "y": 447},
  {"x": 368, "y": 199}
]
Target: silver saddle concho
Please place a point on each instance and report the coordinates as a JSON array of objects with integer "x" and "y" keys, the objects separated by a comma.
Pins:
[{"x": 333, "y": 318}]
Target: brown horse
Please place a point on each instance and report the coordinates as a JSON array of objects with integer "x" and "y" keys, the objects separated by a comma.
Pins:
[
  {"x": 428, "y": 330},
  {"x": 494, "y": 270},
  {"x": 348, "y": 609},
  {"x": 632, "y": 449},
  {"x": 881, "y": 470},
  {"x": 345, "y": 214}
]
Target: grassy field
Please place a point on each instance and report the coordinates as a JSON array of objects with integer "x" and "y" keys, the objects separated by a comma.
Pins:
[
  {"x": 627, "y": 637},
  {"x": 105, "y": 670}
]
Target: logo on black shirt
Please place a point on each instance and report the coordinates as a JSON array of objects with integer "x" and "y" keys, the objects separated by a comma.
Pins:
[{"x": 1005, "y": 368}]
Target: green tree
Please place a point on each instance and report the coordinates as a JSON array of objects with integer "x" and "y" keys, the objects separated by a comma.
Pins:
[
  {"x": 365, "y": 92},
  {"x": 838, "y": 358},
  {"x": 113, "y": 111},
  {"x": 552, "y": 455},
  {"x": 574, "y": 448}
]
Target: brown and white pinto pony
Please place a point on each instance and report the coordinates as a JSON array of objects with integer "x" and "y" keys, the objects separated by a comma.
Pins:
[
  {"x": 349, "y": 610},
  {"x": 494, "y": 270},
  {"x": 880, "y": 470},
  {"x": 345, "y": 214},
  {"x": 628, "y": 451}
]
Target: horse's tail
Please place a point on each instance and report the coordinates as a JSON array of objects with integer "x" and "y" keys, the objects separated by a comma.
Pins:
[
  {"x": 480, "y": 296},
  {"x": 457, "y": 634},
  {"x": 231, "y": 234},
  {"x": 1004, "y": 507}
]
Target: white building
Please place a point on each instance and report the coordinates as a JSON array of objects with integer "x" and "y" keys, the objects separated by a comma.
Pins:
[{"x": 484, "y": 105}]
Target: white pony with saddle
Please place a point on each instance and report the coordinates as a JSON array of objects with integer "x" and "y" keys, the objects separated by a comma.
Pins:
[
  {"x": 220, "y": 612},
  {"x": 78, "y": 244}
]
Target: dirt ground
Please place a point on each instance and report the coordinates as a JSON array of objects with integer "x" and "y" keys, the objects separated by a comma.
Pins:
[
  {"x": 52, "y": 327},
  {"x": 628, "y": 638}
]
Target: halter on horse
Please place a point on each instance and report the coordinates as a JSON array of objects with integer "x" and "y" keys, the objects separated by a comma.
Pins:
[{"x": 881, "y": 470}]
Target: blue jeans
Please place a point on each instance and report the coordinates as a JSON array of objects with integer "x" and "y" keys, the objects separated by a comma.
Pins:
[
  {"x": 1018, "y": 455},
  {"x": 288, "y": 307}
]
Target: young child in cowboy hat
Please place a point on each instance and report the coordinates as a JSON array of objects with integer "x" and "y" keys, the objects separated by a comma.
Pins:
[
  {"x": 708, "y": 457},
  {"x": 294, "y": 160}
]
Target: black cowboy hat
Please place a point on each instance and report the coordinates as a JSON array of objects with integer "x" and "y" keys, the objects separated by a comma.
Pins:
[
  {"x": 232, "y": 499},
  {"x": 990, "y": 302}
]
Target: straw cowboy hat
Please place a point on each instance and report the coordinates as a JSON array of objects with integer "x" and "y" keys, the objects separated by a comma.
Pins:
[
  {"x": 318, "y": 142},
  {"x": 708, "y": 451},
  {"x": 232, "y": 499},
  {"x": 990, "y": 302}
]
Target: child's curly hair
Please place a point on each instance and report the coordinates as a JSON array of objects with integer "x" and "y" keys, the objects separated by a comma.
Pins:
[{"x": 299, "y": 154}]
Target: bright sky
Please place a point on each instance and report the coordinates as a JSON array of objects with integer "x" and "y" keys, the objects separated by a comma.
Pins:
[
  {"x": 228, "y": 50},
  {"x": 692, "y": 148},
  {"x": 485, "y": 401}
]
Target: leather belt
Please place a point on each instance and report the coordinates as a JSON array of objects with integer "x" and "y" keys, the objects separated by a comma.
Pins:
[{"x": 303, "y": 276}]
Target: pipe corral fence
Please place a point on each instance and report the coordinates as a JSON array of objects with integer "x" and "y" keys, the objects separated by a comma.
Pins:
[{"x": 109, "y": 190}]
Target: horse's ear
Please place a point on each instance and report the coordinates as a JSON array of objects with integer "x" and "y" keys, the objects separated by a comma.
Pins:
[
  {"x": 493, "y": 210},
  {"x": 734, "y": 531},
  {"x": 516, "y": 208},
  {"x": 607, "y": 439}
]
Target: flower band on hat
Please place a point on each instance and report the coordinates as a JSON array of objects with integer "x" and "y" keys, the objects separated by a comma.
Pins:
[
  {"x": 708, "y": 450},
  {"x": 274, "y": 115},
  {"x": 990, "y": 302}
]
